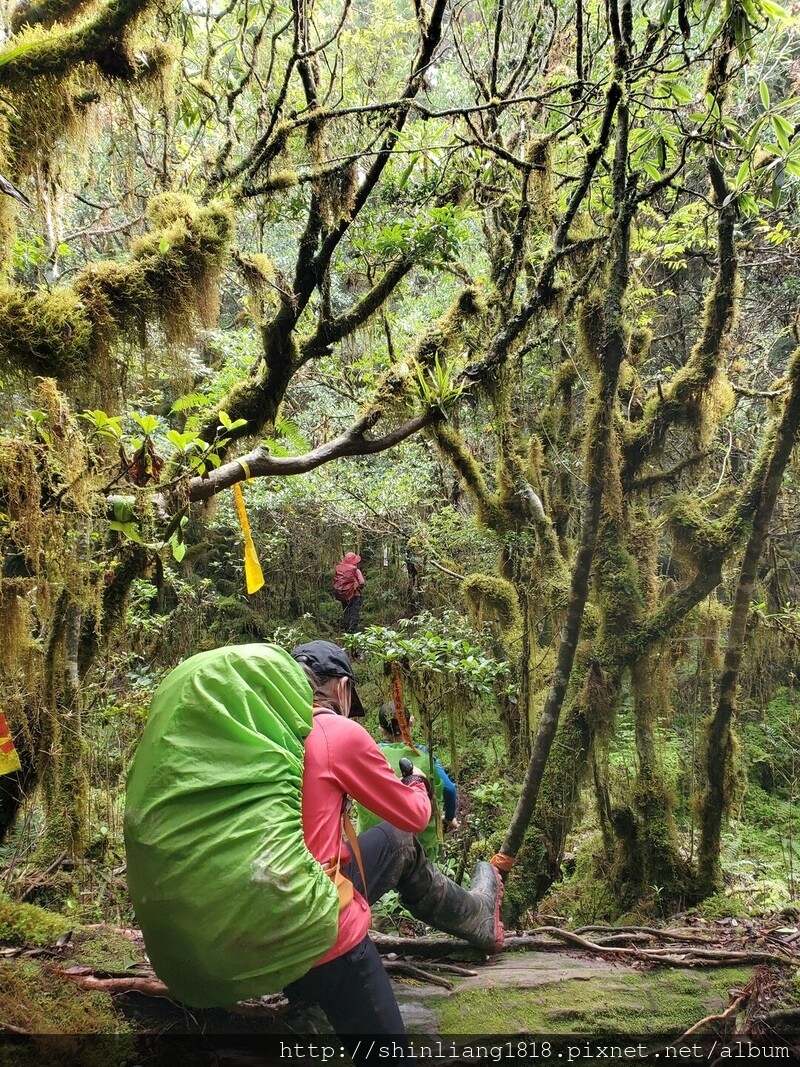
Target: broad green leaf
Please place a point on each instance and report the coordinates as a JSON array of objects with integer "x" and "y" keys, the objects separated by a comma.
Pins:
[
  {"x": 148, "y": 423},
  {"x": 771, "y": 10},
  {"x": 130, "y": 529}
]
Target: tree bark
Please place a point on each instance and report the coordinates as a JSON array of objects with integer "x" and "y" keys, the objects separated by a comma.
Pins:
[{"x": 719, "y": 738}]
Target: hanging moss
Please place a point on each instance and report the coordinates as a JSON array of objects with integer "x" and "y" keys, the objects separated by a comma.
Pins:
[
  {"x": 43, "y": 332},
  {"x": 535, "y": 461},
  {"x": 639, "y": 341},
  {"x": 540, "y": 155},
  {"x": 170, "y": 279},
  {"x": 716, "y": 401},
  {"x": 336, "y": 189},
  {"x": 20, "y": 495},
  {"x": 598, "y": 701},
  {"x": 491, "y": 597},
  {"x": 50, "y": 491},
  {"x": 45, "y": 112},
  {"x": 591, "y": 328},
  {"x": 15, "y": 623},
  {"x": 628, "y": 382},
  {"x": 446, "y": 332},
  {"x": 258, "y": 270},
  {"x": 696, "y": 538}
]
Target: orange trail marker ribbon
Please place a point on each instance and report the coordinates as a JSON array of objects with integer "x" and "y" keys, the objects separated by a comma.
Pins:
[
  {"x": 9, "y": 760},
  {"x": 399, "y": 705},
  {"x": 253, "y": 575}
]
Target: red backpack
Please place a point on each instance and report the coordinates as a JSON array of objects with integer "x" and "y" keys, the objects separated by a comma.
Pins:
[{"x": 345, "y": 582}]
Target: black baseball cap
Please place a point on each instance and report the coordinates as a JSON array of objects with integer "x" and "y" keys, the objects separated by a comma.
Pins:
[{"x": 330, "y": 661}]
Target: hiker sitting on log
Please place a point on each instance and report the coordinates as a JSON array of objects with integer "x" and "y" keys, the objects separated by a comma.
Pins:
[{"x": 341, "y": 760}]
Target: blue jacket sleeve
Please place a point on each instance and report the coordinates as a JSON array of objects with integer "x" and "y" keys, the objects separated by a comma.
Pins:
[{"x": 449, "y": 791}]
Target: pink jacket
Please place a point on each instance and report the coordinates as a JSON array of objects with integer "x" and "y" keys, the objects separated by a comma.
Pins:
[
  {"x": 341, "y": 758},
  {"x": 348, "y": 576}
]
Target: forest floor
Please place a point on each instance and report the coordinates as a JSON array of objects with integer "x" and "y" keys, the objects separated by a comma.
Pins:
[{"x": 725, "y": 989}]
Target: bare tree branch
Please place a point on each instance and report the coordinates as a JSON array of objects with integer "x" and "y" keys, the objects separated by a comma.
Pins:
[{"x": 260, "y": 464}]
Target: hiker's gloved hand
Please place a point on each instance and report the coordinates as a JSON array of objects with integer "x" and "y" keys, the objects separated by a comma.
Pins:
[{"x": 414, "y": 774}]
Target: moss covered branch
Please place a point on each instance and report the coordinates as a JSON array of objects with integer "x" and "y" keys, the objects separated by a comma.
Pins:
[
  {"x": 99, "y": 41},
  {"x": 332, "y": 330},
  {"x": 170, "y": 280},
  {"x": 45, "y": 13},
  {"x": 679, "y": 400}
]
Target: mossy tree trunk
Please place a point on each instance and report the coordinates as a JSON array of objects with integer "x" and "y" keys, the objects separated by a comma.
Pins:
[
  {"x": 720, "y": 748},
  {"x": 605, "y": 346},
  {"x": 651, "y": 872},
  {"x": 66, "y": 782}
]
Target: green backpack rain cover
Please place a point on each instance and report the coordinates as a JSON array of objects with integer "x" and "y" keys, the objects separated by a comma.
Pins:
[
  {"x": 230, "y": 901},
  {"x": 431, "y": 836}
]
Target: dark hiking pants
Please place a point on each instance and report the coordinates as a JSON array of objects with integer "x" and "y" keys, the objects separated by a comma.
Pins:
[
  {"x": 354, "y": 990},
  {"x": 352, "y": 615}
]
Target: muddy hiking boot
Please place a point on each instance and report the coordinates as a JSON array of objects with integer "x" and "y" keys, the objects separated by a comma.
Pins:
[{"x": 473, "y": 914}]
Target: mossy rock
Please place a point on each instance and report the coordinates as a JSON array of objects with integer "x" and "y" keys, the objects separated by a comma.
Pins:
[
  {"x": 534, "y": 993},
  {"x": 26, "y": 924}
]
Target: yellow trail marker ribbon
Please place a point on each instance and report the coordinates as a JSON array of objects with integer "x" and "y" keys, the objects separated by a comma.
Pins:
[
  {"x": 253, "y": 575},
  {"x": 9, "y": 760}
]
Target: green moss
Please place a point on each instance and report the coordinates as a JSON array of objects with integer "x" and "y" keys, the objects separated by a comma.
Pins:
[
  {"x": 25, "y": 924},
  {"x": 641, "y": 337},
  {"x": 696, "y": 537},
  {"x": 170, "y": 277},
  {"x": 583, "y": 896},
  {"x": 591, "y": 328},
  {"x": 657, "y": 1002},
  {"x": 489, "y": 596},
  {"x": 619, "y": 591},
  {"x": 447, "y": 332},
  {"x": 45, "y": 12},
  {"x": 105, "y": 949},
  {"x": 40, "y": 1001},
  {"x": 281, "y": 179},
  {"x": 490, "y": 512},
  {"x": 47, "y": 332}
]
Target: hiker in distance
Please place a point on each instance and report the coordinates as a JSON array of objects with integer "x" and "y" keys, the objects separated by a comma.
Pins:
[
  {"x": 349, "y": 982},
  {"x": 392, "y": 735},
  {"x": 401, "y": 752},
  {"x": 348, "y": 586}
]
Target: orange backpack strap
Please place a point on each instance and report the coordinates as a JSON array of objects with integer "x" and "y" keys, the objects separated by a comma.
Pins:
[{"x": 352, "y": 841}]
